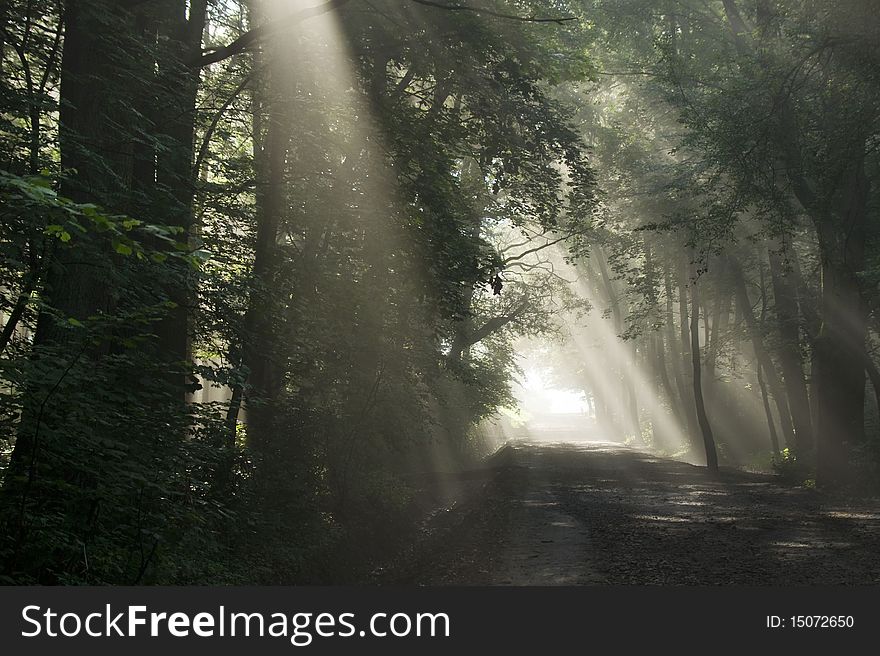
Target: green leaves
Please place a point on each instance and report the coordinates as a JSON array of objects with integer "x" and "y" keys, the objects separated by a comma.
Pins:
[
  {"x": 122, "y": 249},
  {"x": 68, "y": 222},
  {"x": 58, "y": 231}
]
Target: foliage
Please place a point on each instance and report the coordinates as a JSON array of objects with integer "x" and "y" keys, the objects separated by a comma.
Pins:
[{"x": 320, "y": 292}]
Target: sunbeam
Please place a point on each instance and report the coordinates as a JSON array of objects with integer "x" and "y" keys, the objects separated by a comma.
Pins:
[{"x": 519, "y": 292}]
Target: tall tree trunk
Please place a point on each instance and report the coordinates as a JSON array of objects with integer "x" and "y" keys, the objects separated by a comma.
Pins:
[
  {"x": 236, "y": 348},
  {"x": 96, "y": 129},
  {"x": 676, "y": 358},
  {"x": 812, "y": 325},
  {"x": 839, "y": 373},
  {"x": 665, "y": 384},
  {"x": 258, "y": 352},
  {"x": 719, "y": 325},
  {"x": 685, "y": 356},
  {"x": 874, "y": 376},
  {"x": 761, "y": 355},
  {"x": 786, "y": 308},
  {"x": 179, "y": 42},
  {"x": 684, "y": 322},
  {"x": 93, "y": 122},
  {"x": 632, "y": 387},
  {"x": 702, "y": 417},
  {"x": 759, "y": 369},
  {"x": 771, "y": 424}
]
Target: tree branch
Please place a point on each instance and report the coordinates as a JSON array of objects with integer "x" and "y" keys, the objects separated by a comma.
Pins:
[
  {"x": 495, "y": 324},
  {"x": 251, "y": 37},
  {"x": 209, "y": 133},
  {"x": 559, "y": 20},
  {"x": 514, "y": 258}
]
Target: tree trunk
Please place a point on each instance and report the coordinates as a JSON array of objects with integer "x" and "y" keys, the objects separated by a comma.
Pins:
[
  {"x": 719, "y": 328},
  {"x": 92, "y": 123},
  {"x": 665, "y": 384},
  {"x": 236, "y": 348},
  {"x": 179, "y": 42},
  {"x": 839, "y": 373},
  {"x": 258, "y": 352},
  {"x": 702, "y": 417},
  {"x": 812, "y": 325},
  {"x": 685, "y": 357},
  {"x": 873, "y": 376},
  {"x": 771, "y": 424},
  {"x": 786, "y": 307},
  {"x": 689, "y": 426},
  {"x": 633, "y": 398},
  {"x": 761, "y": 355}
]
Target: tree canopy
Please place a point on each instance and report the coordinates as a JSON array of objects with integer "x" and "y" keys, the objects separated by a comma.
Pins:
[{"x": 268, "y": 267}]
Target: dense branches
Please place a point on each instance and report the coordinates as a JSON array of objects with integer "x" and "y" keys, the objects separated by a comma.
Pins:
[{"x": 260, "y": 255}]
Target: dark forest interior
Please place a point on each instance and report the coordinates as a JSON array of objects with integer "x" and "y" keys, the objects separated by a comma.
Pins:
[{"x": 327, "y": 291}]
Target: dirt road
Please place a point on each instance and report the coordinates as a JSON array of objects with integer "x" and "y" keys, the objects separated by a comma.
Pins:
[{"x": 599, "y": 513}]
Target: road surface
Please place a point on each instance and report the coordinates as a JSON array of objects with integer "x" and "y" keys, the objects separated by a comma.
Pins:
[{"x": 598, "y": 513}]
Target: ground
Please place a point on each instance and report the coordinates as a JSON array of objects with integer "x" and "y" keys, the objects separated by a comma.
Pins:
[{"x": 542, "y": 513}]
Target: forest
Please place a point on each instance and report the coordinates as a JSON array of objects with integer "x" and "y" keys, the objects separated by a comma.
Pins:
[{"x": 275, "y": 274}]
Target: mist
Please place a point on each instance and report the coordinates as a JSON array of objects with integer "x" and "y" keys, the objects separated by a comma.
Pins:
[{"x": 301, "y": 292}]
